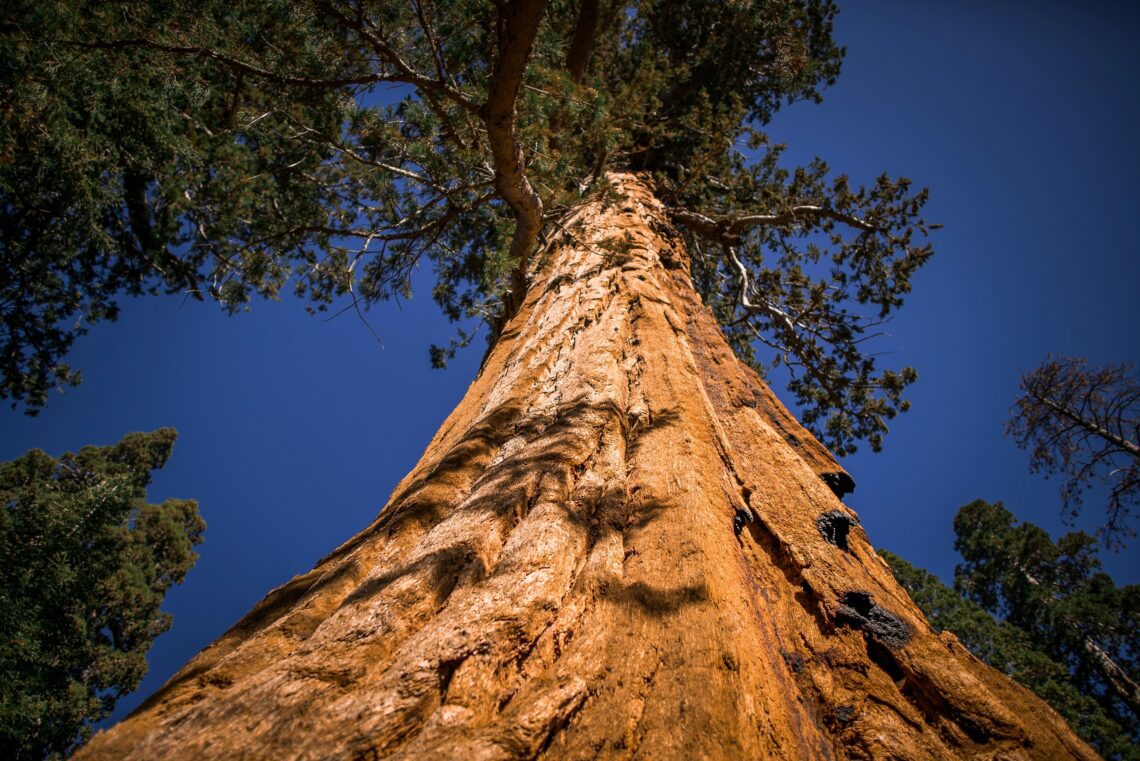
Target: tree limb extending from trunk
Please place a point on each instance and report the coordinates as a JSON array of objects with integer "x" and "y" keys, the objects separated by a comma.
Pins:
[
  {"x": 767, "y": 308},
  {"x": 1089, "y": 425},
  {"x": 516, "y": 32},
  {"x": 580, "y": 47},
  {"x": 1122, "y": 686}
]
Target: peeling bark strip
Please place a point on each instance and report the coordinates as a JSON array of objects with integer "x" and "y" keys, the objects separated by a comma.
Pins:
[{"x": 556, "y": 578}]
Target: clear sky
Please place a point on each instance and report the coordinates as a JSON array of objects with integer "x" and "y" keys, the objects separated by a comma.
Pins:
[{"x": 1021, "y": 117}]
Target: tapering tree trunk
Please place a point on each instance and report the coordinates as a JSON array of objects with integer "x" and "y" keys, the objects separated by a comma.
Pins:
[{"x": 619, "y": 545}]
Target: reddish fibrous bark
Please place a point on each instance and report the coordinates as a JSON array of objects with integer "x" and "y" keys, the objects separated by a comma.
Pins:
[{"x": 619, "y": 545}]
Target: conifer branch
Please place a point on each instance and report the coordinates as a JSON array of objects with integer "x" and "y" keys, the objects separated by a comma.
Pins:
[
  {"x": 243, "y": 66},
  {"x": 368, "y": 32}
]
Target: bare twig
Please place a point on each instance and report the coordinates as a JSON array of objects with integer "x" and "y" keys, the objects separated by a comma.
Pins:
[{"x": 729, "y": 229}]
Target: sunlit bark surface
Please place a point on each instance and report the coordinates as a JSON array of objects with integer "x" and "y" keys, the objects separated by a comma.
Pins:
[{"x": 619, "y": 545}]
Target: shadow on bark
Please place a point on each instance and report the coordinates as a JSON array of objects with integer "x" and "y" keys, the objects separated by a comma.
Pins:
[
  {"x": 445, "y": 568},
  {"x": 570, "y": 440},
  {"x": 657, "y": 600}
]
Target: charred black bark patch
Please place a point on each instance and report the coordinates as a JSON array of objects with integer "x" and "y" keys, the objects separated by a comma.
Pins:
[
  {"x": 834, "y": 527},
  {"x": 740, "y": 520},
  {"x": 858, "y": 609},
  {"x": 795, "y": 661},
  {"x": 841, "y": 717},
  {"x": 839, "y": 482}
]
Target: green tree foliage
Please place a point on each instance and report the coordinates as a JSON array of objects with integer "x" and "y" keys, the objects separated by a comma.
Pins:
[
  {"x": 1083, "y": 423},
  {"x": 87, "y": 562},
  {"x": 234, "y": 149},
  {"x": 1044, "y": 613}
]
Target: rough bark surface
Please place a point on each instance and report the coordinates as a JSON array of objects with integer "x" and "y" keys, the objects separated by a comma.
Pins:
[{"x": 618, "y": 546}]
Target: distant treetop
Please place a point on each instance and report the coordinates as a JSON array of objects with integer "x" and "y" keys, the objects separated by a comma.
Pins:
[{"x": 1083, "y": 422}]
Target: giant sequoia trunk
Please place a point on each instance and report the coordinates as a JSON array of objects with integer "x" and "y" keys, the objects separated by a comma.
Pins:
[{"x": 619, "y": 545}]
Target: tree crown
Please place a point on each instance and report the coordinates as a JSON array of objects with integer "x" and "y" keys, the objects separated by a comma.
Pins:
[{"x": 236, "y": 149}]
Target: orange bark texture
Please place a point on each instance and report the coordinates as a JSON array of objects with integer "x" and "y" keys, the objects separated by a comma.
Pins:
[{"x": 618, "y": 546}]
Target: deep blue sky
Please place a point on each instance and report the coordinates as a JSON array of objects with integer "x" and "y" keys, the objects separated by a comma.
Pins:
[{"x": 1021, "y": 117}]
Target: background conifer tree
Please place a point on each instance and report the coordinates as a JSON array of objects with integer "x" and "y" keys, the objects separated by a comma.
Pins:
[
  {"x": 87, "y": 562},
  {"x": 1044, "y": 613}
]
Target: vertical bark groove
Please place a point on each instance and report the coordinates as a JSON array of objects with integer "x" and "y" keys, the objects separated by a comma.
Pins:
[{"x": 566, "y": 572}]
